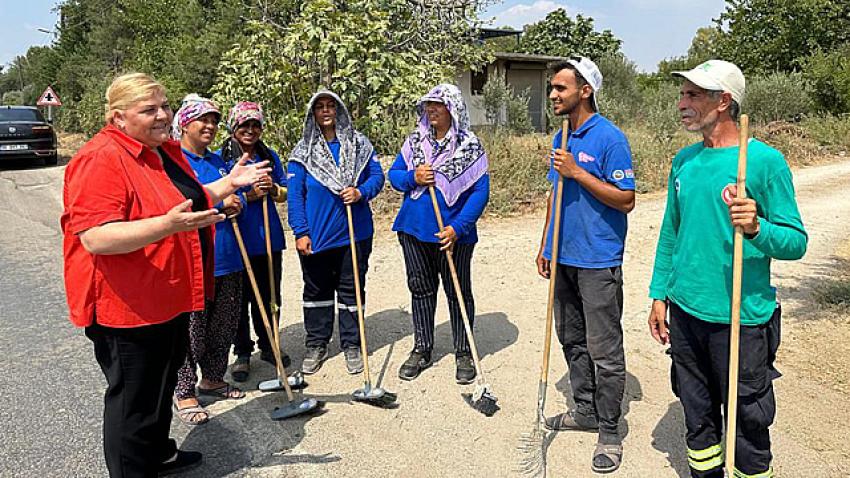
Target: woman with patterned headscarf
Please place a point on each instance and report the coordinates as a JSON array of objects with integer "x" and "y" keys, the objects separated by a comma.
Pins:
[
  {"x": 332, "y": 166},
  {"x": 210, "y": 331},
  {"x": 245, "y": 124},
  {"x": 442, "y": 152}
]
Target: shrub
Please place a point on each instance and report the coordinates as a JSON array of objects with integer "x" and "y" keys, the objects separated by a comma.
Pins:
[
  {"x": 829, "y": 77},
  {"x": 503, "y": 107},
  {"x": 777, "y": 96},
  {"x": 620, "y": 98}
]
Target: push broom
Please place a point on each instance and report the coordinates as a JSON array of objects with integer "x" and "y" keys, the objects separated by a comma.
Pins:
[
  {"x": 296, "y": 380},
  {"x": 482, "y": 398},
  {"x": 376, "y": 396},
  {"x": 293, "y": 407},
  {"x": 531, "y": 444},
  {"x": 735, "y": 321}
]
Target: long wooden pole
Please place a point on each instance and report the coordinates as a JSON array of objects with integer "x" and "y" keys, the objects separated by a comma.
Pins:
[{"x": 735, "y": 321}]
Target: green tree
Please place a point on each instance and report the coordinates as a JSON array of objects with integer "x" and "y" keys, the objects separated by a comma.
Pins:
[
  {"x": 560, "y": 35},
  {"x": 777, "y": 35},
  {"x": 378, "y": 55}
]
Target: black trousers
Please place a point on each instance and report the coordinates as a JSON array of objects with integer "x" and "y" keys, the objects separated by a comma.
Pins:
[
  {"x": 140, "y": 365},
  {"x": 243, "y": 346},
  {"x": 426, "y": 265},
  {"x": 588, "y": 313},
  {"x": 700, "y": 373},
  {"x": 328, "y": 273}
]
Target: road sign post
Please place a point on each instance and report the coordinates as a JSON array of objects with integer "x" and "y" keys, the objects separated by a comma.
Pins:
[{"x": 50, "y": 99}]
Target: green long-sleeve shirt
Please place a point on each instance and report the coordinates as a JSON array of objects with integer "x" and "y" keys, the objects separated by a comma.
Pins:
[{"x": 693, "y": 260}]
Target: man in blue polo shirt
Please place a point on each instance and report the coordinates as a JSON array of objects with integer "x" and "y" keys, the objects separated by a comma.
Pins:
[{"x": 598, "y": 193}]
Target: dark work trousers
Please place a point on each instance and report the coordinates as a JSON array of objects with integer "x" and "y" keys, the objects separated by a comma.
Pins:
[
  {"x": 426, "y": 265},
  {"x": 140, "y": 365},
  {"x": 243, "y": 346},
  {"x": 327, "y": 273},
  {"x": 700, "y": 374},
  {"x": 588, "y": 313}
]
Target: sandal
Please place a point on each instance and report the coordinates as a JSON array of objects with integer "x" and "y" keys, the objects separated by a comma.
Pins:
[
  {"x": 192, "y": 415},
  {"x": 241, "y": 369},
  {"x": 224, "y": 392},
  {"x": 572, "y": 420},
  {"x": 606, "y": 458}
]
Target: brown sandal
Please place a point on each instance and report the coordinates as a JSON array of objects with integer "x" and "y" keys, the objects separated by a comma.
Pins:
[{"x": 192, "y": 415}]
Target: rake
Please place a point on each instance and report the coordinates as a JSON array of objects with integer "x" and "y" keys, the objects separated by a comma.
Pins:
[{"x": 532, "y": 444}]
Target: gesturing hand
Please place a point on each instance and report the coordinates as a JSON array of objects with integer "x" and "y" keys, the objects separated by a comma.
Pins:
[
  {"x": 244, "y": 174},
  {"x": 182, "y": 218}
]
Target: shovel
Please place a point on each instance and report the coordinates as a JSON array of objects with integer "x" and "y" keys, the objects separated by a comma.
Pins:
[{"x": 294, "y": 407}]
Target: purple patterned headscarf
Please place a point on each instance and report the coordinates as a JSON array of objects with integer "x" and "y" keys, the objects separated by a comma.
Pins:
[
  {"x": 192, "y": 108},
  {"x": 459, "y": 162},
  {"x": 242, "y": 112}
]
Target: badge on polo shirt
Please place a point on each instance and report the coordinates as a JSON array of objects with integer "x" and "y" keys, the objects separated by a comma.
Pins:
[
  {"x": 618, "y": 175},
  {"x": 585, "y": 158}
]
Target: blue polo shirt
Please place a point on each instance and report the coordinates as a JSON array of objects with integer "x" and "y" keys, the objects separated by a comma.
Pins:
[
  {"x": 315, "y": 211},
  {"x": 210, "y": 168},
  {"x": 251, "y": 219},
  {"x": 593, "y": 235}
]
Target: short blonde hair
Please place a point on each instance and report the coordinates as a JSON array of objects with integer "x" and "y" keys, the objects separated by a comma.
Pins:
[{"x": 127, "y": 90}]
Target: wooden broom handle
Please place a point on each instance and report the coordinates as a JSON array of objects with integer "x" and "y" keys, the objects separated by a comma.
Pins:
[
  {"x": 272, "y": 286},
  {"x": 735, "y": 322},
  {"x": 553, "y": 264},
  {"x": 281, "y": 371},
  {"x": 364, "y": 351}
]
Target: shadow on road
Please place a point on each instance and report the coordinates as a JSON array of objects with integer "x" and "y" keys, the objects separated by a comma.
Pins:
[
  {"x": 668, "y": 437},
  {"x": 632, "y": 393},
  {"x": 245, "y": 437}
]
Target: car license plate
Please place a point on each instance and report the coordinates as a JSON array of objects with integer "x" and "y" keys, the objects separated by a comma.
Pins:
[{"x": 12, "y": 147}]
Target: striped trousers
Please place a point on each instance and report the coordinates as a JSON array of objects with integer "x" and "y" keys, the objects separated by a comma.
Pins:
[{"x": 426, "y": 266}]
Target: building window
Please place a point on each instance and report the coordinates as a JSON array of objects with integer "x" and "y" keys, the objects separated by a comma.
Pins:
[{"x": 479, "y": 78}]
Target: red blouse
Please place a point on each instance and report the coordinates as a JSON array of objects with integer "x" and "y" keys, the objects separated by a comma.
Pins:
[{"x": 116, "y": 178}]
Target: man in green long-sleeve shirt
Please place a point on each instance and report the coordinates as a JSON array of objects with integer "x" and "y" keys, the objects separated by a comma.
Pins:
[{"x": 692, "y": 277}]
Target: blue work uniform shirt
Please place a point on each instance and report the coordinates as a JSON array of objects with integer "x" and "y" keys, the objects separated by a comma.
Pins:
[
  {"x": 593, "y": 235},
  {"x": 251, "y": 220},
  {"x": 210, "y": 168},
  {"x": 315, "y": 211},
  {"x": 416, "y": 216}
]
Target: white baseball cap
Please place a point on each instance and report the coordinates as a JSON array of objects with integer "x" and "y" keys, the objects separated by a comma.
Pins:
[
  {"x": 590, "y": 72},
  {"x": 717, "y": 75}
]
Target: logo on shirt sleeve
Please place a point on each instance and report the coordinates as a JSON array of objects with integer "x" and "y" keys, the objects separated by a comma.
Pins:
[
  {"x": 618, "y": 175},
  {"x": 630, "y": 174}
]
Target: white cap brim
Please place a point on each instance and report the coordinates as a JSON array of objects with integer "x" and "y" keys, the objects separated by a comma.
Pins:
[{"x": 701, "y": 79}]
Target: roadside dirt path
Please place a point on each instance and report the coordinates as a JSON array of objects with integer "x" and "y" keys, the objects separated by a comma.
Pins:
[{"x": 434, "y": 433}]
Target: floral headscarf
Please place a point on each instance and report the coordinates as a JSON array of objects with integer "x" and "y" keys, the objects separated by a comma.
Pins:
[
  {"x": 242, "y": 112},
  {"x": 461, "y": 161},
  {"x": 192, "y": 108},
  {"x": 312, "y": 150}
]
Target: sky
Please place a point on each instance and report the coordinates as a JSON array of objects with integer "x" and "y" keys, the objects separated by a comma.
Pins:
[{"x": 651, "y": 30}]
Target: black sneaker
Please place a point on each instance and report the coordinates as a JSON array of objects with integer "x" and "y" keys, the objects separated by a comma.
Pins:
[
  {"x": 313, "y": 360},
  {"x": 465, "y": 373},
  {"x": 183, "y": 461},
  {"x": 414, "y": 365},
  {"x": 268, "y": 356}
]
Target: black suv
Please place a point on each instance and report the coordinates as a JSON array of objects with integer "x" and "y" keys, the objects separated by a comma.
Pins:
[{"x": 24, "y": 134}]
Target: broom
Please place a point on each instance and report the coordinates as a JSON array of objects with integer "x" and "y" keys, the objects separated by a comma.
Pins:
[
  {"x": 735, "y": 322},
  {"x": 368, "y": 394},
  {"x": 531, "y": 444},
  {"x": 482, "y": 399}
]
